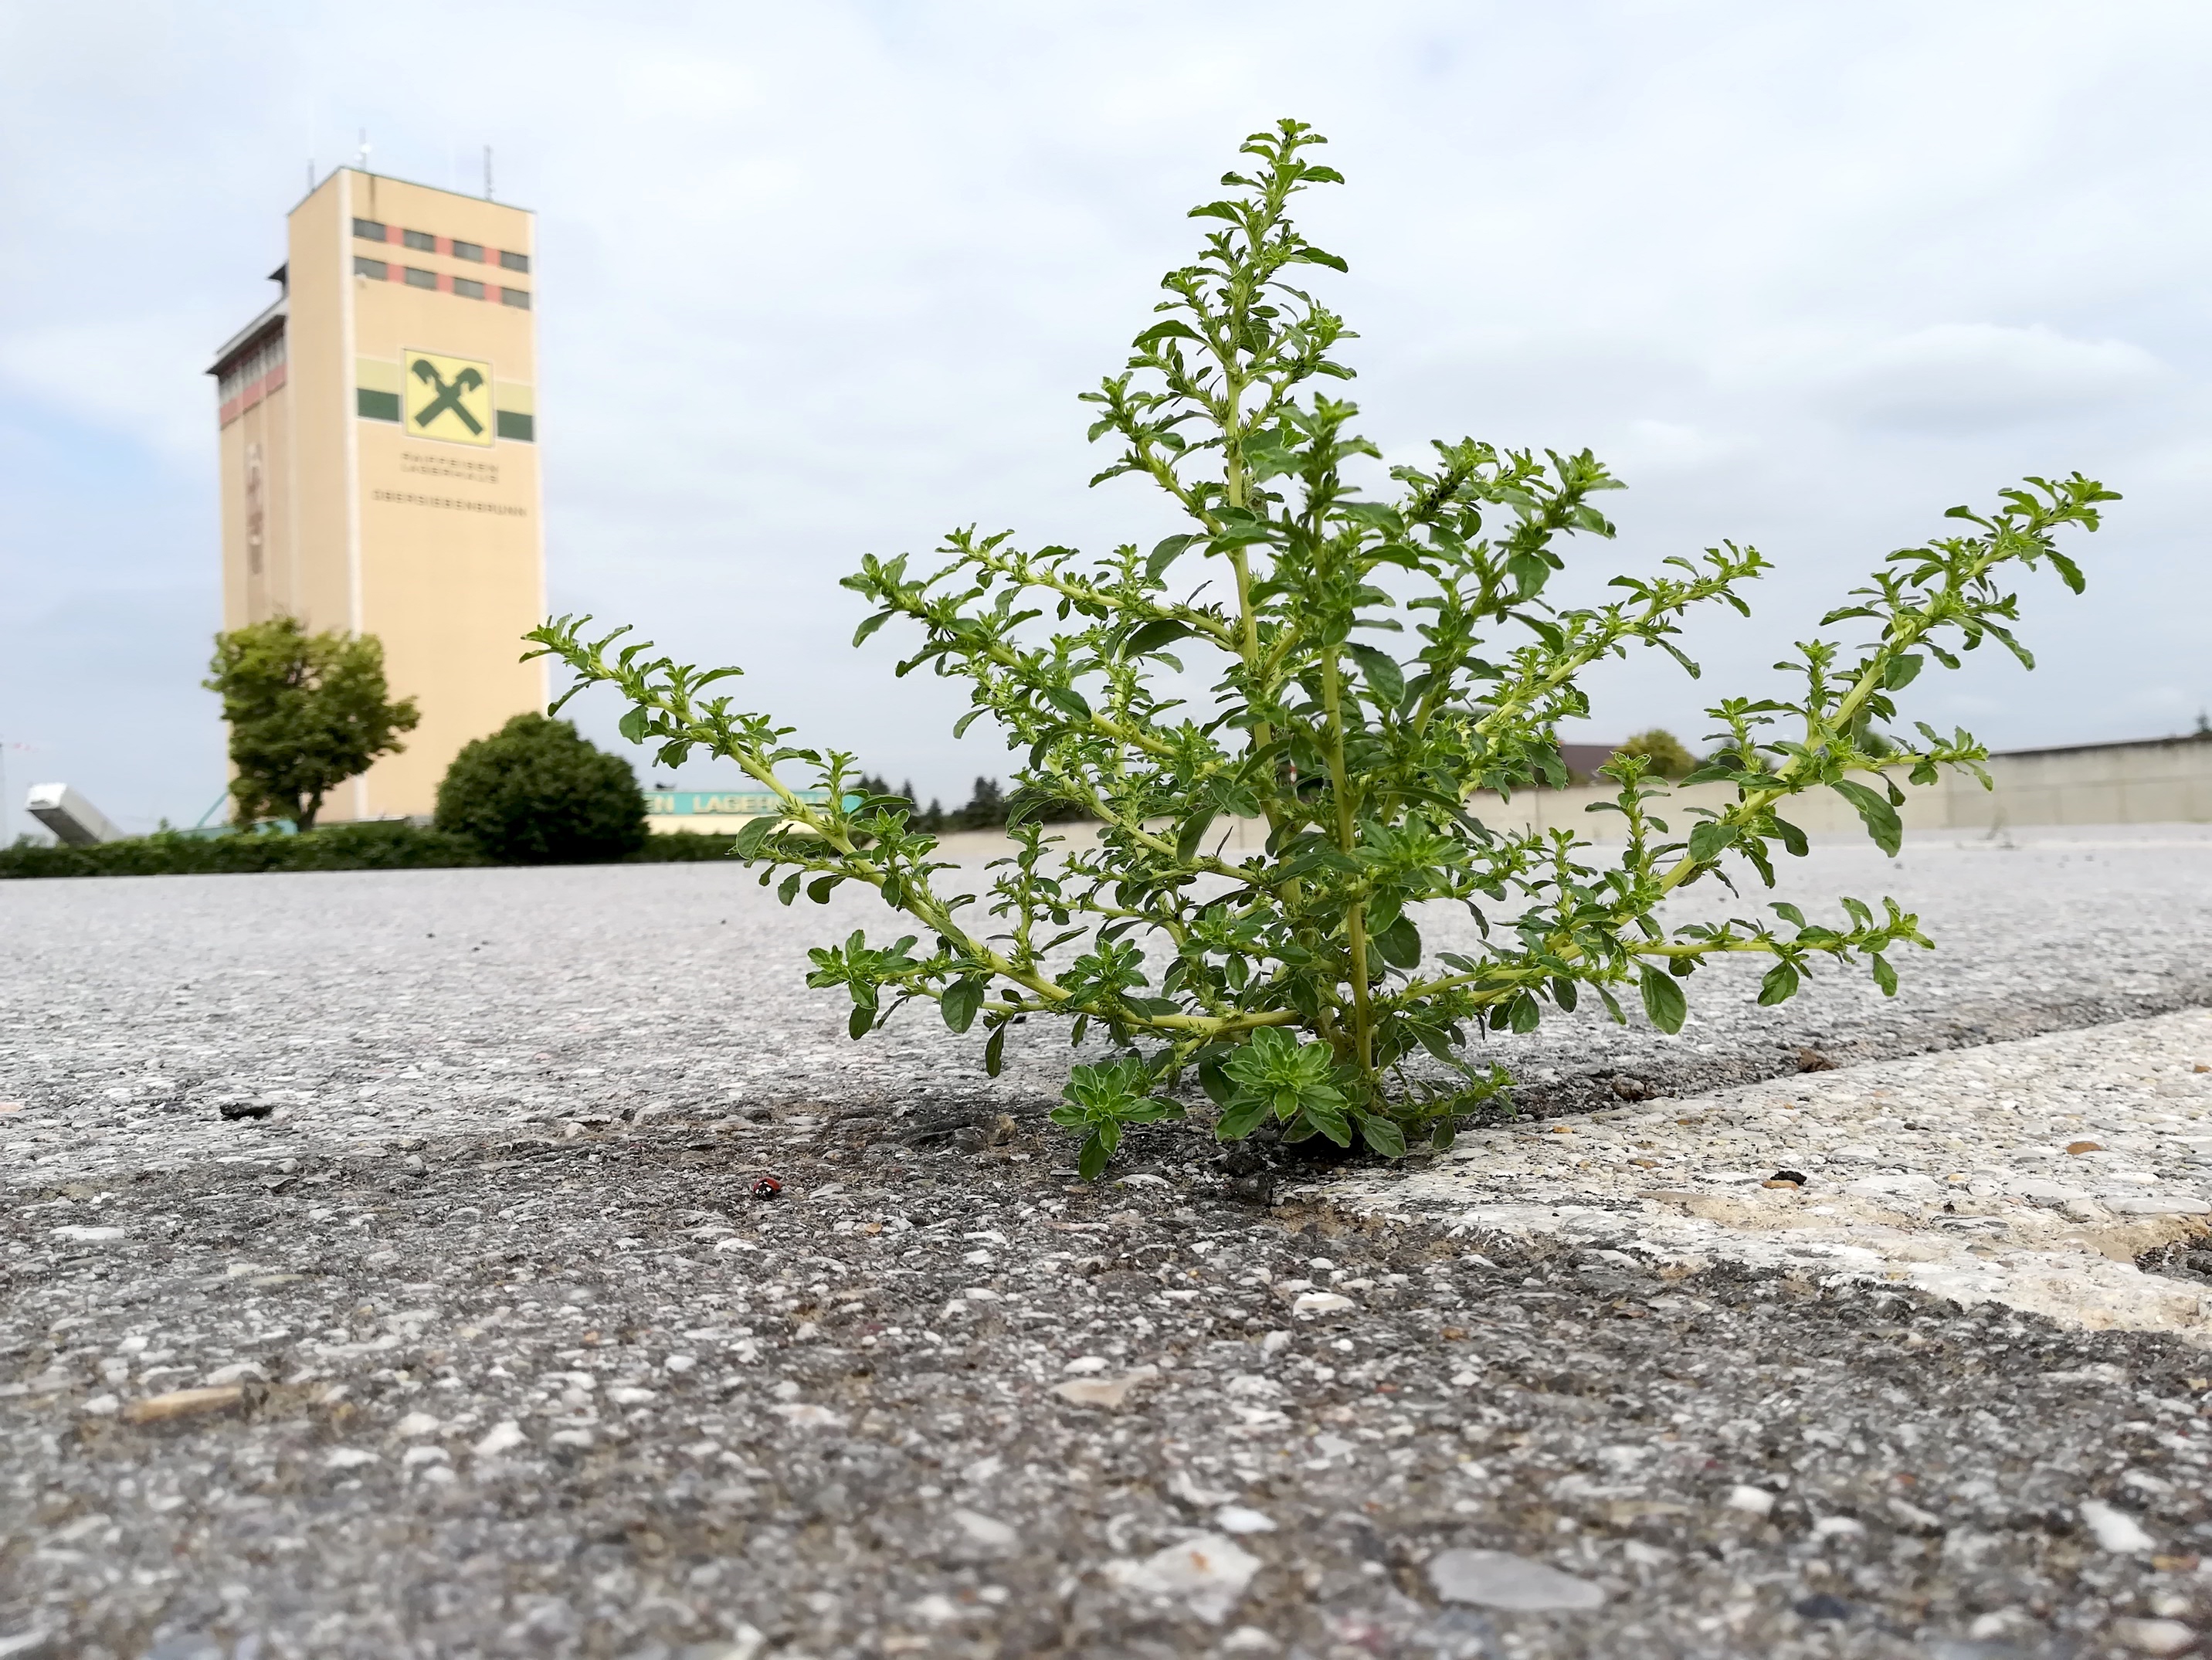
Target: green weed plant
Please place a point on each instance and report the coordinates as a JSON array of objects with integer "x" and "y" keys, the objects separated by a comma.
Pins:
[{"x": 1382, "y": 666}]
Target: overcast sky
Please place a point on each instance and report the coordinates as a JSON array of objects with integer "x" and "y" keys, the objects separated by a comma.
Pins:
[{"x": 822, "y": 280}]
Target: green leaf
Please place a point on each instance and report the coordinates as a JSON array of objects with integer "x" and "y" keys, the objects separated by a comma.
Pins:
[
  {"x": 960, "y": 1002},
  {"x": 1381, "y": 671},
  {"x": 1525, "y": 1013},
  {"x": 1193, "y": 832},
  {"x": 1160, "y": 632},
  {"x": 1882, "y": 820},
  {"x": 1090, "y": 1164},
  {"x": 1165, "y": 552},
  {"x": 633, "y": 724},
  {"x": 1902, "y": 671},
  {"x": 994, "y": 1052},
  {"x": 1214, "y": 1077},
  {"x": 1399, "y": 945},
  {"x": 1663, "y": 1001},
  {"x": 787, "y": 890},
  {"x": 821, "y": 888},
  {"x": 1884, "y": 975},
  {"x": 751, "y": 833},
  {"x": 1709, "y": 839},
  {"x": 1068, "y": 700},
  {"x": 1241, "y": 1120},
  {"x": 1779, "y": 986},
  {"x": 1792, "y": 838},
  {"x": 862, "y": 1019},
  {"x": 1381, "y": 1136},
  {"x": 1334, "y": 1125}
]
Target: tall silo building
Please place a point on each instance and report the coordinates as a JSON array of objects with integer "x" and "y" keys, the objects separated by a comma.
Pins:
[{"x": 380, "y": 459}]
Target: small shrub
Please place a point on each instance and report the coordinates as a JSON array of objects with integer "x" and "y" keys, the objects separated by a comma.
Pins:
[
  {"x": 537, "y": 792},
  {"x": 1663, "y": 754},
  {"x": 1383, "y": 666}
]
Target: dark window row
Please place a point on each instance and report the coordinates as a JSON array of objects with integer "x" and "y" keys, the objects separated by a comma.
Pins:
[
  {"x": 374, "y": 231},
  {"x": 415, "y": 277}
]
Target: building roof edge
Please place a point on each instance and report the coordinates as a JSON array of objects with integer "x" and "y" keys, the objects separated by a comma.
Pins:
[
  {"x": 246, "y": 336},
  {"x": 414, "y": 184}
]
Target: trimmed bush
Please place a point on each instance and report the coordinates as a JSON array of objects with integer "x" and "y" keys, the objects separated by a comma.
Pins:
[
  {"x": 384, "y": 845},
  {"x": 537, "y": 792},
  {"x": 1664, "y": 754},
  {"x": 681, "y": 847}
]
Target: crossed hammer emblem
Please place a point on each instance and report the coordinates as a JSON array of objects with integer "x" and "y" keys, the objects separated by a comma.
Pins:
[{"x": 449, "y": 395}]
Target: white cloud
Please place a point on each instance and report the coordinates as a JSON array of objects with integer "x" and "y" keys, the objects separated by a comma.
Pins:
[
  {"x": 1962, "y": 376},
  {"x": 825, "y": 280},
  {"x": 137, "y": 378}
]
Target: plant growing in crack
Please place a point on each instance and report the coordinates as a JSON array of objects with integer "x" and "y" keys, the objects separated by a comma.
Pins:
[{"x": 1381, "y": 666}]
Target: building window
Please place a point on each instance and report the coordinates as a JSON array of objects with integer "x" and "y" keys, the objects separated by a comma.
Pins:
[
  {"x": 369, "y": 231},
  {"x": 518, "y": 298},
  {"x": 421, "y": 240},
  {"x": 375, "y": 270},
  {"x": 468, "y": 288},
  {"x": 513, "y": 425},
  {"x": 468, "y": 251},
  {"x": 513, "y": 261},
  {"x": 421, "y": 279}
]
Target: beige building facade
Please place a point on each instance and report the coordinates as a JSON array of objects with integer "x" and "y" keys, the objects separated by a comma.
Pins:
[{"x": 380, "y": 459}]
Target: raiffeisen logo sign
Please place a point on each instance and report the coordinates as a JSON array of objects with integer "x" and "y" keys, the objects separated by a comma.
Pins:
[{"x": 447, "y": 397}]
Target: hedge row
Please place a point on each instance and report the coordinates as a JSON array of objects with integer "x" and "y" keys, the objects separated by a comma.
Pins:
[{"x": 383, "y": 845}]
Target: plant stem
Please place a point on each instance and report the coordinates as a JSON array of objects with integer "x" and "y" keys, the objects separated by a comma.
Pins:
[{"x": 1355, "y": 921}]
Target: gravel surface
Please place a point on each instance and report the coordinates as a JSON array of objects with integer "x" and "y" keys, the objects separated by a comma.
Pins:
[
  {"x": 362, "y": 1007},
  {"x": 478, "y": 1339}
]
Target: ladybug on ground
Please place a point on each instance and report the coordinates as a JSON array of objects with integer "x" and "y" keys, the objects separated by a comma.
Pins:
[{"x": 767, "y": 1187}]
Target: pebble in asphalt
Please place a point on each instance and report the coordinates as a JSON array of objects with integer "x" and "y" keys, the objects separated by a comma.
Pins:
[{"x": 477, "y": 1383}]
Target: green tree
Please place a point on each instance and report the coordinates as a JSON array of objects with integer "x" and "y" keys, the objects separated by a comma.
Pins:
[
  {"x": 307, "y": 712},
  {"x": 1663, "y": 754},
  {"x": 537, "y": 792},
  {"x": 985, "y": 808},
  {"x": 1294, "y": 976}
]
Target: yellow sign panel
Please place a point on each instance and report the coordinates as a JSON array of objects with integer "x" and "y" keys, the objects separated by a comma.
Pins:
[{"x": 448, "y": 398}]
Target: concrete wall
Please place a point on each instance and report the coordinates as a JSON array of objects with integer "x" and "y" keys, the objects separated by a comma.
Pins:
[{"x": 2163, "y": 782}]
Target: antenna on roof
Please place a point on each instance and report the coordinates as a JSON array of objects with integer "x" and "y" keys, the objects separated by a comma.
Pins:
[
  {"x": 310, "y": 175},
  {"x": 365, "y": 148},
  {"x": 488, "y": 196}
]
